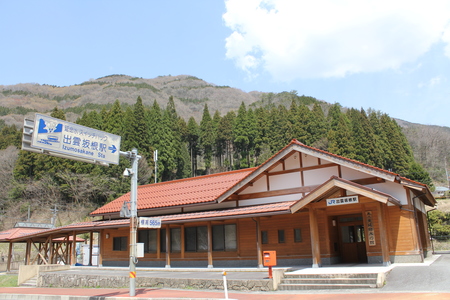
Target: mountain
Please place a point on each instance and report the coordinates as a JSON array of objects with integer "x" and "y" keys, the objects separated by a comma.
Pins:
[
  {"x": 430, "y": 143},
  {"x": 431, "y": 146},
  {"x": 190, "y": 94}
]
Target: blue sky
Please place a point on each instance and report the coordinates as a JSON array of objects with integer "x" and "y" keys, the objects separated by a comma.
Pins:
[{"x": 392, "y": 56}]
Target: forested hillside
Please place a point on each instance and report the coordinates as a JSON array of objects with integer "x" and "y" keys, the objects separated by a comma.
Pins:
[{"x": 211, "y": 140}]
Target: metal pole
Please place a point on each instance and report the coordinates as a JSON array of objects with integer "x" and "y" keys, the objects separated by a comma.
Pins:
[
  {"x": 133, "y": 221},
  {"x": 134, "y": 157}
]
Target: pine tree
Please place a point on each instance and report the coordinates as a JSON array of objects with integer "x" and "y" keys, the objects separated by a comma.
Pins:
[
  {"x": 340, "y": 139},
  {"x": 219, "y": 149},
  {"x": 401, "y": 152},
  {"x": 136, "y": 133},
  {"x": 179, "y": 149},
  {"x": 193, "y": 137},
  {"x": 207, "y": 138},
  {"x": 262, "y": 128},
  {"x": 241, "y": 137},
  {"x": 318, "y": 127},
  {"x": 225, "y": 138},
  {"x": 280, "y": 133},
  {"x": 162, "y": 139},
  {"x": 113, "y": 121},
  {"x": 299, "y": 117},
  {"x": 382, "y": 151}
]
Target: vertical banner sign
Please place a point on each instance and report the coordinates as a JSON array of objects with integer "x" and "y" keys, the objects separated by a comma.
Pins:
[
  {"x": 370, "y": 229},
  {"x": 75, "y": 140}
]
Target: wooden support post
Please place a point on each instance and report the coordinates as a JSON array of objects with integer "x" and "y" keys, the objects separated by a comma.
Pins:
[
  {"x": 315, "y": 241},
  {"x": 51, "y": 250},
  {"x": 258, "y": 243},
  {"x": 68, "y": 250},
  {"x": 158, "y": 243},
  {"x": 73, "y": 256},
  {"x": 28, "y": 252},
  {"x": 167, "y": 246},
  {"x": 210, "y": 256},
  {"x": 91, "y": 246},
  {"x": 39, "y": 256},
  {"x": 101, "y": 245},
  {"x": 383, "y": 236},
  {"x": 182, "y": 242},
  {"x": 8, "y": 266}
]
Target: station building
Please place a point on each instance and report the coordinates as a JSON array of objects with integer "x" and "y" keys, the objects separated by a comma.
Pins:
[{"x": 310, "y": 206}]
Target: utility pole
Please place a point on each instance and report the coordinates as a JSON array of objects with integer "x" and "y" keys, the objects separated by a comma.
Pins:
[
  {"x": 446, "y": 172},
  {"x": 134, "y": 157},
  {"x": 55, "y": 213},
  {"x": 155, "y": 158}
]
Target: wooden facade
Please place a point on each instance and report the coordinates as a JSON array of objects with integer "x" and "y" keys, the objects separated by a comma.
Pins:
[{"x": 310, "y": 206}]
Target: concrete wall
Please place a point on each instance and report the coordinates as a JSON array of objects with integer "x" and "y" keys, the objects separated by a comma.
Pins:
[
  {"x": 27, "y": 272},
  {"x": 56, "y": 280}
]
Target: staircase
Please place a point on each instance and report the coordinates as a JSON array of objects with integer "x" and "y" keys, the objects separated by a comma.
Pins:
[
  {"x": 32, "y": 282},
  {"x": 330, "y": 281}
]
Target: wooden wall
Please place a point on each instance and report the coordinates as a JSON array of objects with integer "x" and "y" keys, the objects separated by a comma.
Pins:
[{"x": 400, "y": 231}]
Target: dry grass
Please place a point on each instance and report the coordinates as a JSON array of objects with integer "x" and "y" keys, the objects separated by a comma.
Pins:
[{"x": 443, "y": 205}]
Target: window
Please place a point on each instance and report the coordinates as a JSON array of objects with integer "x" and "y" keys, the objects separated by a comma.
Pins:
[
  {"x": 148, "y": 237},
  {"x": 120, "y": 243},
  {"x": 264, "y": 237},
  {"x": 224, "y": 237},
  {"x": 175, "y": 239},
  {"x": 281, "y": 238},
  {"x": 297, "y": 235},
  {"x": 196, "y": 238}
]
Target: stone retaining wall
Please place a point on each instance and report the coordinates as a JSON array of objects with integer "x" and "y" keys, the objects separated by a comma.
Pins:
[{"x": 98, "y": 281}]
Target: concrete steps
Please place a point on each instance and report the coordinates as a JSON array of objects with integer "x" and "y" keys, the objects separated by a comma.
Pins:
[
  {"x": 328, "y": 281},
  {"x": 32, "y": 282}
]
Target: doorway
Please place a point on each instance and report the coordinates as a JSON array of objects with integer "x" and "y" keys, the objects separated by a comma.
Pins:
[{"x": 352, "y": 238}]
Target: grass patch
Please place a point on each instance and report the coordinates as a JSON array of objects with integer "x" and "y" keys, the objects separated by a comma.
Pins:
[{"x": 8, "y": 280}]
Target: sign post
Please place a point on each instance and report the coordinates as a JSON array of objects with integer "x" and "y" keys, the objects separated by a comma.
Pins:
[
  {"x": 134, "y": 157},
  {"x": 59, "y": 138}
]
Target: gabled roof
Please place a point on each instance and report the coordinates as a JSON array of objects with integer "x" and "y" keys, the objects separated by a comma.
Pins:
[
  {"x": 295, "y": 145},
  {"x": 334, "y": 184},
  {"x": 12, "y": 233},
  {"x": 216, "y": 188},
  {"x": 189, "y": 191}
]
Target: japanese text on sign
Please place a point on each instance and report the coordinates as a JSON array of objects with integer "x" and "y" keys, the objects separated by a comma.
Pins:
[
  {"x": 370, "y": 229},
  {"x": 342, "y": 200},
  {"x": 75, "y": 140},
  {"x": 145, "y": 222}
]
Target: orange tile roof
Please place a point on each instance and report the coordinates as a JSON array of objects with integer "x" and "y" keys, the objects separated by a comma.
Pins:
[
  {"x": 12, "y": 233},
  {"x": 232, "y": 212},
  {"x": 180, "y": 192},
  {"x": 238, "y": 212}
]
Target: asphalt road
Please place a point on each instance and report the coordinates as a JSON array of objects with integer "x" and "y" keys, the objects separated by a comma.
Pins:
[
  {"x": 404, "y": 282},
  {"x": 433, "y": 278}
]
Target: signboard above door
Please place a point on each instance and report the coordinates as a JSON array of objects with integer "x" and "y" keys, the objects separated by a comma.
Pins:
[{"x": 342, "y": 200}]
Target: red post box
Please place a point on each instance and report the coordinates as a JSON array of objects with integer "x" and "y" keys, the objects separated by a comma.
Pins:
[{"x": 270, "y": 260}]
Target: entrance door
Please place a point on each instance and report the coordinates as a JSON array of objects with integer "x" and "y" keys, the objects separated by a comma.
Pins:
[{"x": 352, "y": 239}]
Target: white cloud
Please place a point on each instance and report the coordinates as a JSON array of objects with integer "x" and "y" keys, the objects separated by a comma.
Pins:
[
  {"x": 437, "y": 80},
  {"x": 328, "y": 38}
]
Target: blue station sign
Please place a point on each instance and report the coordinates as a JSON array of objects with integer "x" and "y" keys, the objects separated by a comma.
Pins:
[{"x": 73, "y": 140}]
